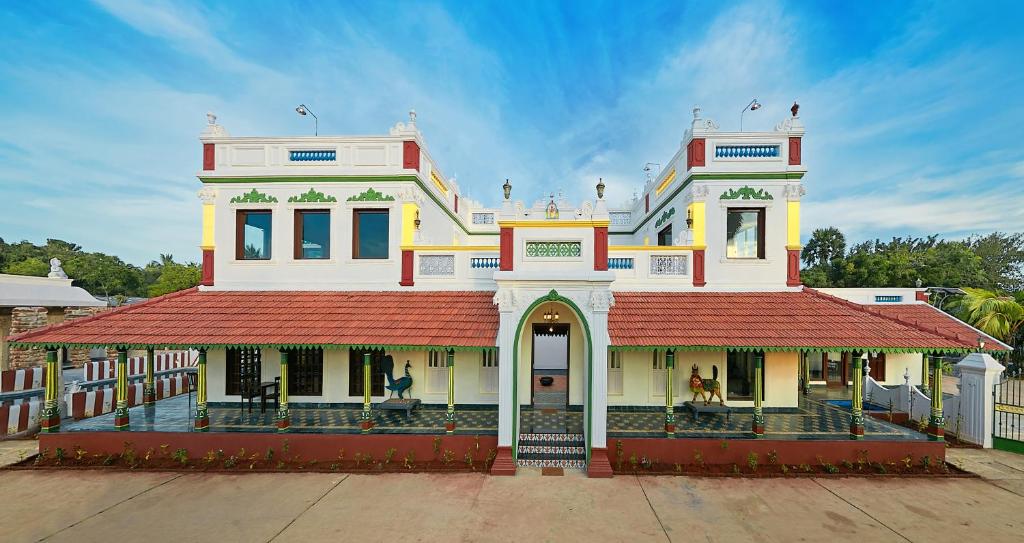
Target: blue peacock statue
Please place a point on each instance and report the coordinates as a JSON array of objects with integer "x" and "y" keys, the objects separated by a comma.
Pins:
[{"x": 401, "y": 385}]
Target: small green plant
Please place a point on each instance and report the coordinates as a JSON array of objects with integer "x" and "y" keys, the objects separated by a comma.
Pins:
[
  {"x": 491, "y": 455},
  {"x": 269, "y": 455},
  {"x": 784, "y": 469},
  {"x": 341, "y": 455},
  {"x": 358, "y": 458},
  {"x": 752, "y": 461},
  {"x": 210, "y": 456},
  {"x": 773, "y": 457},
  {"x": 280, "y": 464},
  {"x": 448, "y": 457},
  {"x": 231, "y": 462},
  {"x": 698, "y": 458},
  {"x": 389, "y": 454},
  {"x": 619, "y": 455},
  {"x": 829, "y": 468},
  {"x": 128, "y": 454},
  {"x": 862, "y": 458},
  {"x": 907, "y": 461},
  {"x": 679, "y": 468},
  {"x": 926, "y": 462},
  {"x": 922, "y": 424},
  {"x": 410, "y": 459},
  {"x": 437, "y": 446},
  {"x": 181, "y": 456},
  {"x": 41, "y": 456},
  {"x": 646, "y": 462},
  {"x": 59, "y": 456},
  {"x": 880, "y": 467},
  {"x": 847, "y": 464},
  {"x": 334, "y": 467},
  {"x": 285, "y": 447},
  {"x": 149, "y": 454},
  {"x": 735, "y": 468},
  {"x": 724, "y": 445},
  {"x": 80, "y": 453},
  {"x": 806, "y": 468},
  {"x": 109, "y": 460},
  {"x": 469, "y": 459},
  {"x": 633, "y": 461}
]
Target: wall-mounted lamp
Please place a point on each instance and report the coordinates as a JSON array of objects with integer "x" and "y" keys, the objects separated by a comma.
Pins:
[
  {"x": 600, "y": 188},
  {"x": 303, "y": 110},
  {"x": 416, "y": 222},
  {"x": 689, "y": 219},
  {"x": 754, "y": 105}
]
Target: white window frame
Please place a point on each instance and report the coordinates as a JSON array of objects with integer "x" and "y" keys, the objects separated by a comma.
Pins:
[
  {"x": 658, "y": 373},
  {"x": 615, "y": 373},
  {"x": 489, "y": 371},
  {"x": 437, "y": 372}
]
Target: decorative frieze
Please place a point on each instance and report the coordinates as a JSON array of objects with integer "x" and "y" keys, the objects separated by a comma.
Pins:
[
  {"x": 483, "y": 218},
  {"x": 620, "y": 218},
  {"x": 371, "y": 196},
  {"x": 311, "y": 197},
  {"x": 669, "y": 264},
  {"x": 553, "y": 249},
  {"x": 665, "y": 216},
  {"x": 746, "y": 193},
  {"x": 746, "y": 151},
  {"x": 437, "y": 265},
  {"x": 312, "y": 156},
  {"x": 254, "y": 197}
]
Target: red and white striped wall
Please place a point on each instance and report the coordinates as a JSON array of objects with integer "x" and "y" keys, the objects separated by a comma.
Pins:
[
  {"x": 22, "y": 379},
  {"x": 20, "y": 416},
  {"x": 84, "y": 404},
  {"x": 107, "y": 369}
]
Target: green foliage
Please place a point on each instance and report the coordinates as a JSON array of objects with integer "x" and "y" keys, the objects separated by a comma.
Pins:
[
  {"x": 29, "y": 266},
  {"x": 998, "y": 316},
  {"x": 174, "y": 277}
]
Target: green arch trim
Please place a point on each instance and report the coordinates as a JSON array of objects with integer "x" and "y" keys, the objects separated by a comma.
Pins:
[{"x": 552, "y": 296}]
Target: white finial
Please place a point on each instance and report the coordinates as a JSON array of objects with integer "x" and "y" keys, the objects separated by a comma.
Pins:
[
  {"x": 412, "y": 116},
  {"x": 696, "y": 112},
  {"x": 56, "y": 272},
  {"x": 906, "y": 376},
  {"x": 211, "y": 118}
]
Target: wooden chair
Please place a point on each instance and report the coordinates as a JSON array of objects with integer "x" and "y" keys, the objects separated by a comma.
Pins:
[
  {"x": 276, "y": 395},
  {"x": 250, "y": 389}
]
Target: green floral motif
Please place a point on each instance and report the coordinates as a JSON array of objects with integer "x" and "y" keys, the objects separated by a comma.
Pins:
[
  {"x": 311, "y": 196},
  {"x": 664, "y": 217},
  {"x": 371, "y": 196},
  {"x": 254, "y": 197},
  {"x": 553, "y": 249},
  {"x": 746, "y": 193}
]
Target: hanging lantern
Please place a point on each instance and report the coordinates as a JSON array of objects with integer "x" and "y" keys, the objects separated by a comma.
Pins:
[
  {"x": 507, "y": 187},
  {"x": 600, "y": 188}
]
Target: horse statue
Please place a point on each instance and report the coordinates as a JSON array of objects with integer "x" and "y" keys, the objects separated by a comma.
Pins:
[
  {"x": 706, "y": 386},
  {"x": 400, "y": 385}
]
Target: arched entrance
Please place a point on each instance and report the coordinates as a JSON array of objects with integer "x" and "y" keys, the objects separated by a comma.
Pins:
[{"x": 533, "y": 361}]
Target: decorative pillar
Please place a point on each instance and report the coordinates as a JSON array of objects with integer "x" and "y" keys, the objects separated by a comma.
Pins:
[
  {"x": 121, "y": 421},
  {"x": 697, "y": 213},
  {"x": 50, "y": 422},
  {"x": 506, "y": 239},
  {"x": 758, "y": 425},
  {"x": 925, "y": 370},
  {"x": 807, "y": 374},
  {"x": 508, "y": 408},
  {"x": 148, "y": 388},
  {"x": 596, "y": 392},
  {"x": 600, "y": 248},
  {"x": 856, "y": 397},
  {"x": 449, "y": 417},
  {"x": 670, "y": 416},
  {"x": 793, "y": 194},
  {"x": 936, "y": 422},
  {"x": 202, "y": 413},
  {"x": 209, "y": 197},
  {"x": 284, "y": 420},
  {"x": 366, "y": 417}
]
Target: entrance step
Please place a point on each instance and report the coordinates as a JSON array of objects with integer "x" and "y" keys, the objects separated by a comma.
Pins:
[{"x": 552, "y": 450}]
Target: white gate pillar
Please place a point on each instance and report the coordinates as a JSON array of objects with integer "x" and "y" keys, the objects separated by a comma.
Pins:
[
  {"x": 598, "y": 464},
  {"x": 508, "y": 405},
  {"x": 979, "y": 373}
]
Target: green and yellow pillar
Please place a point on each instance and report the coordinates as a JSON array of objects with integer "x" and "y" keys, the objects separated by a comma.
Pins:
[
  {"x": 148, "y": 388},
  {"x": 284, "y": 420},
  {"x": 366, "y": 417},
  {"x": 807, "y": 374},
  {"x": 857, "y": 397},
  {"x": 121, "y": 420},
  {"x": 202, "y": 412},
  {"x": 925, "y": 370},
  {"x": 50, "y": 422},
  {"x": 758, "y": 423},
  {"x": 937, "y": 421},
  {"x": 670, "y": 415},
  {"x": 449, "y": 417}
]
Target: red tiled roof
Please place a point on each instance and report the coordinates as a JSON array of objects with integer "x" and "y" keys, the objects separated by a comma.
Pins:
[
  {"x": 194, "y": 318},
  {"x": 929, "y": 318},
  {"x": 782, "y": 320}
]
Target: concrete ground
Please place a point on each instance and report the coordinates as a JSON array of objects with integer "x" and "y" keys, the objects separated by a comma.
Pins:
[{"x": 88, "y": 506}]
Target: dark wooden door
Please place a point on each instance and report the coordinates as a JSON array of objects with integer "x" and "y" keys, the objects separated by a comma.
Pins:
[{"x": 355, "y": 372}]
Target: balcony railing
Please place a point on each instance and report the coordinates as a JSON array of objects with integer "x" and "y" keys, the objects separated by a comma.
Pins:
[
  {"x": 484, "y": 263},
  {"x": 746, "y": 151},
  {"x": 312, "y": 156},
  {"x": 620, "y": 263}
]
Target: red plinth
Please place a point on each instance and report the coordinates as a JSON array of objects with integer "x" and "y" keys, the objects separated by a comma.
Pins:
[
  {"x": 503, "y": 463},
  {"x": 50, "y": 424},
  {"x": 283, "y": 424},
  {"x": 407, "y": 263},
  {"x": 599, "y": 467},
  {"x": 202, "y": 424},
  {"x": 149, "y": 397},
  {"x": 793, "y": 267},
  {"x": 936, "y": 433},
  {"x": 207, "y": 278},
  {"x": 856, "y": 431},
  {"x": 758, "y": 429},
  {"x": 698, "y": 268},
  {"x": 670, "y": 428},
  {"x": 366, "y": 425},
  {"x": 449, "y": 427}
]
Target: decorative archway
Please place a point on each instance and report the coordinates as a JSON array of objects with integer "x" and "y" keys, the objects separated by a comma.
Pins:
[{"x": 553, "y": 296}]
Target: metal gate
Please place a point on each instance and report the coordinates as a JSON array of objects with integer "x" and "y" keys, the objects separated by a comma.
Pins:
[{"x": 1008, "y": 423}]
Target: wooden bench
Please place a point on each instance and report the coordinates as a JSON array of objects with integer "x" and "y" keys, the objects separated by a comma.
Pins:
[
  {"x": 400, "y": 404},
  {"x": 699, "y": 407}
]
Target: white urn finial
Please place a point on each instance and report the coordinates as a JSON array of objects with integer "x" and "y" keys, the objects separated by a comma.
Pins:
[
  {"x": 412, "y": 116},
  {"x": 211, "y": 118}
]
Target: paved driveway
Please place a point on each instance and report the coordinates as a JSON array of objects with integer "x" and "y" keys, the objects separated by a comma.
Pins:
[{"x": 118, "y": 506}]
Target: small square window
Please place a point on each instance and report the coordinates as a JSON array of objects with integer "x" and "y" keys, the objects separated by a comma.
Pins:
[
  {"x": 253, "y": 233},
  {"x": 312, "y": 235},
  {"x": 745, "y": 233},
  {"x": 370, "y": 234}
]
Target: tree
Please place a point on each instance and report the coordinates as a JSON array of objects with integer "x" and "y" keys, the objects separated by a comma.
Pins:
[
  {"x": 29, "y": 266},
  {"x": 1002, "y": 256},
  {"x": 998, "y": 316},
  {"x": 825, "y": 245},
  {"x": 175, "y": 277}
]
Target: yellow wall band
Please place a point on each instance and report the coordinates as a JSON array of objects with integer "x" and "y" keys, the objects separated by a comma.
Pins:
[
  {"x": 494, "y": 248},
  {"x": 651, "y": 248},
  {"x": 696, "y": 211},
  {"x": 409, "y": 211},
  {"x": 439, "y": 182},
  {"x": 793, "y": 224},
  {"x": 665, "y": 183},
  {"x": 552, "y": 224},
  {"x": 208, "y": 220}
]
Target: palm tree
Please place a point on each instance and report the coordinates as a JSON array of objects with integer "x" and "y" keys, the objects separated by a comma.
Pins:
[{"x": 998, "y": 316}]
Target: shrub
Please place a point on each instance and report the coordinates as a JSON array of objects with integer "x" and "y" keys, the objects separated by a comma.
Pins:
[
  {"x": 181, "y": 456},
  {"x": 773, "y": 457},
  {"x": 410, "y": 459},
  {"x": 389, "y": 454},
  {"x": 448, "y": 457},
  {"x": 80, "y": 453},
  {"x": 59, "y": 455},
  {"x": 752, "y": 461},
  {"x": 698, "y": 457},
  {"x": 437, "y": 446}
]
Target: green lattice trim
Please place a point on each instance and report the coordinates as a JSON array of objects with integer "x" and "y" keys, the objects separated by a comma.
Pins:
[
  {"x": 371, "y": 196},
  {"x": 912, "y": 350},
  {"x": 254, "y": 197},
  {"x": 310, "y": 197},
  {"x": 664, "y": 217},
  {"x": 553, "y": 249},
  {"x": 746, "y": 193},
  {"x": 208, "y": 346}
]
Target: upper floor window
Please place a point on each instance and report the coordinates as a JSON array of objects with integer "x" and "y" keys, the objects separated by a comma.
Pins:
[
  {"x": 370, "y": 233},
  {"x": 745, "y": 233},
  {"x": 312, "y": 234},
  {"x": 252, "y": 235},
  {"x": 665, "y": 236}
]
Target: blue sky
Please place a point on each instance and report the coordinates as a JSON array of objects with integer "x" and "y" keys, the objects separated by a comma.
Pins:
[{"x": 913, "y": 110}]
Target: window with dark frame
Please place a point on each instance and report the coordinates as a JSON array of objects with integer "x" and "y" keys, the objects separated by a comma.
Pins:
[
  {"x": 312, "y": 238},
  {"x": 305, "y": 372},
  {"x": 740, "y": 368},
  {"x": 253, "y": 233},
  {"x": 370, "y": 234},
  {"x": 665, "y": 236},
  {"x": 355, "y": 372},
  {"x": 242, "y": 371},
  {"x": 745, "y": 232}
]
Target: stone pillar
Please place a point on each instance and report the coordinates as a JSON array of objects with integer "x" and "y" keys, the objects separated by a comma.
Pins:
[
  {"x": 284, "y": 420},
  {"x": 24, "y": 319},
  {"x": 670, "y": 416},
  {"x": 148, "y": 388},
  {"x": 857, "y": 398},
  {"x": 366, "y": 417},
  {"x": 936, "y": 420},
  {"x": 121, "y": 421},
  {"x": 508, "y": 404},
  {"x": 758, "y": 423},
  {"x": 50, "y": 419},
  {"x": 979, "y": 374},
  {"x": 597, "y": 389},
  {"x": 449, "y": 417},
  {"x": 202, "y": 412}
]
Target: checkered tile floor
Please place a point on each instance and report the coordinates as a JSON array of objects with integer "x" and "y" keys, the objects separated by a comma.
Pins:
[{"x": 814, "y": 420}]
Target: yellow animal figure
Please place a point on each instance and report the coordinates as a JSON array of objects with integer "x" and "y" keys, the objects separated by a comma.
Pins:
[{"x": 706, "y": 386}]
